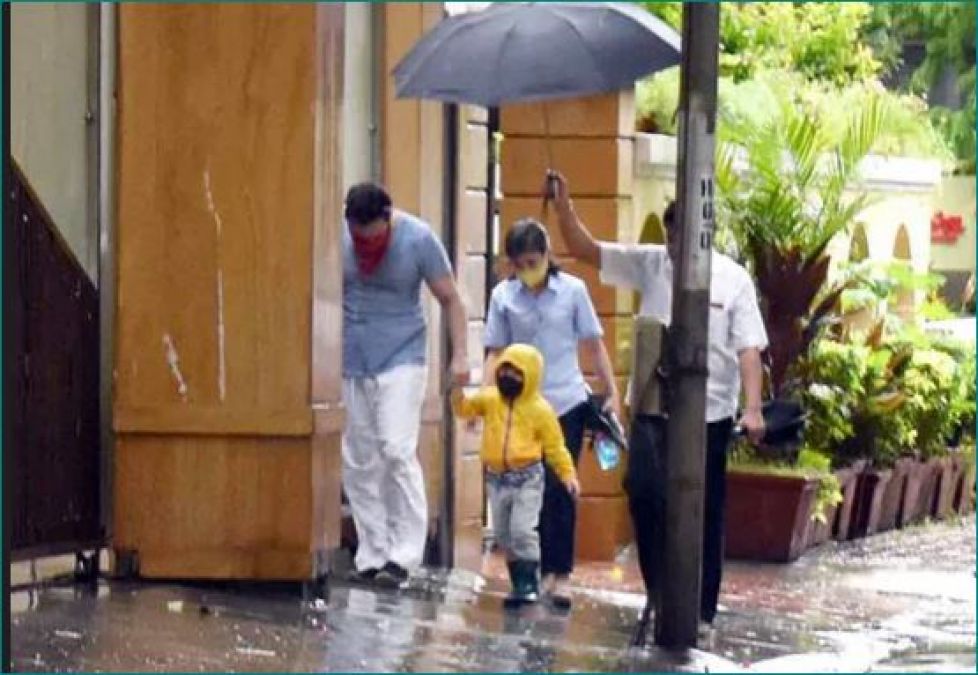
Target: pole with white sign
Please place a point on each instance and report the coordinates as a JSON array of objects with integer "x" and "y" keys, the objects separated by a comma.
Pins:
[{"x": 678, "y": 590}]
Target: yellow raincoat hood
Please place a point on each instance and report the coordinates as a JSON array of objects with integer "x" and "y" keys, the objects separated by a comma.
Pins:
[
  {"x": 519, "y": 435},
  {"x": 529, "y": 361}
]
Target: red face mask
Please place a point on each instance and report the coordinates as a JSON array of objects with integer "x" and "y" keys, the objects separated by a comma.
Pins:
[{"x": 370, "y": 249}]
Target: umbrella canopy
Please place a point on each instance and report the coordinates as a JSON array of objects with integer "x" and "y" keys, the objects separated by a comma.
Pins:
[{"x": 525, "y": 52}]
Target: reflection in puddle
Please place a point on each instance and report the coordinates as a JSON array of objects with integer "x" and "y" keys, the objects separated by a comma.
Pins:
[{"x": 843, "y": 609}]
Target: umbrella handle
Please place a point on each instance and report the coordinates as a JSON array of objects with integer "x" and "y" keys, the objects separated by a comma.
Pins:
[
  {"x": 550, "y": 192},
  {"x": 546, "y": 135}
]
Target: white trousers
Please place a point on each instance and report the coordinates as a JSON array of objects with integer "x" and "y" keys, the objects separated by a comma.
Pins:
[{"x": 381, "y": 473}]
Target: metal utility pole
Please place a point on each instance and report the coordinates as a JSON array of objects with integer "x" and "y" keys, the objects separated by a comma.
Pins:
[{"x": 678, "y": 597}]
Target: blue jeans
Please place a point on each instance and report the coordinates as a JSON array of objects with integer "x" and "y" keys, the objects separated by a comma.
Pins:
[{"x": 515, "y": 498}]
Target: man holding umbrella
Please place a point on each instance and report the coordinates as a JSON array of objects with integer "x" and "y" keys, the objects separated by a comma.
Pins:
[{"x": 736, "y": 339}]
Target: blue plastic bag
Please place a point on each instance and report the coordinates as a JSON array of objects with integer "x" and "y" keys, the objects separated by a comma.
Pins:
[{"x": 607, "y": 452}]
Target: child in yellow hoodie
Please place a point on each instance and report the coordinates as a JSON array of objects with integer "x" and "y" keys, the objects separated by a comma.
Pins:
[{"x": 521, "y": 431}]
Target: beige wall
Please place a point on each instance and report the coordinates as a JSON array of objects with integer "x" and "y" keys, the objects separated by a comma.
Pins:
[
  {"x": 883, "y": 220},
  {"x": 358, "y": 94},
  {"x": 904, "y": 193},
  {"x": 957, "y": 197},
  {"x": 49, "y": 95},
  {"x": 471, "y": 256}
]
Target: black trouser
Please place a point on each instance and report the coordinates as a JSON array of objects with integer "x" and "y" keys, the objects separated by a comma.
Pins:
[
  {"x": 558, "y": 516},
  {"x": 645, "y": 483}
]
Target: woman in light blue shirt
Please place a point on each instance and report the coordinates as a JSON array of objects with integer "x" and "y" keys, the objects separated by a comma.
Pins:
[{"x": 551, "y": 310}]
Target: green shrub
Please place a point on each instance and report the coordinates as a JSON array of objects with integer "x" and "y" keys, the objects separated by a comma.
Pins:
[
  {"x": 853, "y": 397},
  {"x": 930, "y": 386},
  {"x": 834, "y": 372},
  {"x": 943, "y": 369},
  {"x": 879, "y": 398}
]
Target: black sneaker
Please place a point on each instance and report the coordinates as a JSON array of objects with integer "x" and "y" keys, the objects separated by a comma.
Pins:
[
  {"x": 641, "y": 631},
  {"x": 391, "y": 576},
  {"x": 366, "y": 576},
  {"x": 560, "y": 602}
]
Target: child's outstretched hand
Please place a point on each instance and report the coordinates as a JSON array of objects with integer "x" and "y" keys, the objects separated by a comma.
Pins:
[{"x": 573, "y": 487}]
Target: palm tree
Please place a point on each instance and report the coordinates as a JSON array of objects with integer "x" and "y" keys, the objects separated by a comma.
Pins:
[{"x": 788, "y": 184}]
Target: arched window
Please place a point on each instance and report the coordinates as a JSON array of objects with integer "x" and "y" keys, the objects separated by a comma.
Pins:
[
  {"x": 859, "y": 244},
  {"x": 653, "y": 232},
  {"x": 904, "y": 306},
  {"x": 862, "y": 318}
]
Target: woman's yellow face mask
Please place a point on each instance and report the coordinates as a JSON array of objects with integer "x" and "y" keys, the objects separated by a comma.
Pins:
[{"x": 532, "y": 269}]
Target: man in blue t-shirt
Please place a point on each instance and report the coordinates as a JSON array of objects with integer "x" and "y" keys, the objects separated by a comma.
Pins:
[{"x": 387, "y": 255}]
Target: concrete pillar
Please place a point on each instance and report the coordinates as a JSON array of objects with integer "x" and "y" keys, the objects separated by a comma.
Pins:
[{"x": 472, "y": 249}]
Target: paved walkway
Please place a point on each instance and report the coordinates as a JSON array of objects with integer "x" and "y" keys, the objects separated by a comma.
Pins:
[{"x": 901, "y": 601}]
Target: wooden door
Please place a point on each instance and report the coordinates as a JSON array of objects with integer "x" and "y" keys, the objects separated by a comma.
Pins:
[{"x": 227, "y": 379}]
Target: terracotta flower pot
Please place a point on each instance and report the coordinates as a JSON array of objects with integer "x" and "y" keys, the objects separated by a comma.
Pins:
[
  {"x": 892, "y": 500},
  {"x": 869, "y": 499},
  {"x": 964, "y": 495},
  {"x": 961, "y": 468},
  {"x": 923, "y": 505},
  {"x": 947, "y": 477},
  {"x": 820, "y": 532},
  {"x": 843, "y": 516},
  {"x": 768, "y": 517},
  {"x": 909, "y": 505}
]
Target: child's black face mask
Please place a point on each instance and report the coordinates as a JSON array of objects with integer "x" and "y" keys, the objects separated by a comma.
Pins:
[{"x": 510, "y": 386}]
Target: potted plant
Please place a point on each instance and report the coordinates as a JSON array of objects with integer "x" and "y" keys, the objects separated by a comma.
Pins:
[
  {"x": 962, "y": 414},
  {"x": 938, "y": 388},
  {"x": 891, "y": 502},
  {"x": 787, "y": 186},
  {"x": 928, "y": 386},
  {"x": 834, "y": 392},
  {"x": 772, "y": 506},
  {"x": 829, "y": 498},
  {"x": 852, "y": 396},
  {"x": 932, "y": 412},
  {"x": 935, "y": 399},
  {"x": 964, "y": 495}
]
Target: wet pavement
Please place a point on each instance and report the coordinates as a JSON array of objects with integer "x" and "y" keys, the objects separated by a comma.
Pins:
[{"x": 898, "y": 602}]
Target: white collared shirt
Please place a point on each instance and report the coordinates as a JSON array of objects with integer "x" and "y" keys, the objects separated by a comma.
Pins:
[{"x": 735, "y": 318}]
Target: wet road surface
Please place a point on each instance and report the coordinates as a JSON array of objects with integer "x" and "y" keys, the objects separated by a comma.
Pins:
[{"x": 899, "y": 602}]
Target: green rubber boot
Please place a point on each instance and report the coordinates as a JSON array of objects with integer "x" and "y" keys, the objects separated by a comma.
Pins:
[{"x": 523, "y": 575}]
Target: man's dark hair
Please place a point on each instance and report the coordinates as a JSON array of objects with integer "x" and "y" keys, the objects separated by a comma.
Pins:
[
  {"x": 529, "y": 236},
  {"x": 669, "y": 216},
  {"x": 366, "y": 202}
]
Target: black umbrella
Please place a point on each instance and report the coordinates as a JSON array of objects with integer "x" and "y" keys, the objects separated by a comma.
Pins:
[
  {"x": 524, "y": 52},
  {"x": 521, "y": 52},
  {"x": 784, "y": 422}
]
